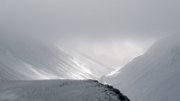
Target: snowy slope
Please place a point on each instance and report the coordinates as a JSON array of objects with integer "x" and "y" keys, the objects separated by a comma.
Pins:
[
  {"x": 24, "y": 59},
  {"x": 154, "y": 76},
  {"x": 58, "y": 90}
]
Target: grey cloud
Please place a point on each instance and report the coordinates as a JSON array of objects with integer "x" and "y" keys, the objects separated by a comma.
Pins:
[
  {"x": 73, "y": 22},
  {"x": 91, "y": 17}
]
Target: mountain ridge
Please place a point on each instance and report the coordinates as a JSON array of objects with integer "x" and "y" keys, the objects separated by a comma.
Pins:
[
  {"x": 153, "y": 76},
  {"x": 58, "y": 90}
]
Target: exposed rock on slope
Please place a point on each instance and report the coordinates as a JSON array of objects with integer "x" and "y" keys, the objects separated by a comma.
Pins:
[{"x": 58, "y": 90}]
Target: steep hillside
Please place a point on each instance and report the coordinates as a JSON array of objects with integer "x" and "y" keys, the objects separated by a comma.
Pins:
[
  {"x": 58, "y": 90},
  {"x": 24, "y": 59},
  {"x": 154, "y": 76}
]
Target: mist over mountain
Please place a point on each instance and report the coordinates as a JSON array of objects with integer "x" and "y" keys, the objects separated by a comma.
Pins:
[
  {"x": 154, "y": 76},
  {"x": 49, "y": 48},
  {"x": 34, "y": 59},
  {"x": 25, "y": 63}
]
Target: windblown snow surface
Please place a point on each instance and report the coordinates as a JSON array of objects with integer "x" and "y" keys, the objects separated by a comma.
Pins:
[
  {"x": 23, "y": 59},
  {"x": 58, "y": 90},
  {"x": 154, "y": 76},
  {"x": 25, "y": 63}
]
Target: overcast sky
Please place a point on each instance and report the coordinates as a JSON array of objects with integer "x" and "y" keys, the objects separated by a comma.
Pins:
[{"x": 109, "y": 31}]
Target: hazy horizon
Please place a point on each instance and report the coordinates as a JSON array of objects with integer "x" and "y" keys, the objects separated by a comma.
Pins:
[{"x": 110, "y": 32}]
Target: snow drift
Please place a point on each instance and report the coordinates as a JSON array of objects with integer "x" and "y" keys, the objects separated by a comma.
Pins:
[
  {"x": 154, "y": 76},
  {"x": 58, "y": 90}
]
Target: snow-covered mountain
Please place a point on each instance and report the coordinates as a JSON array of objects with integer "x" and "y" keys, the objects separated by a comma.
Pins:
[
  {"x": 154, "y": 76},
  {"x": 58, "y": 90},
  {"x": 23, "y": 59}
]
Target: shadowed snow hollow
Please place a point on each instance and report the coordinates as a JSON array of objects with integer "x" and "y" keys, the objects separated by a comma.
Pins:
[{"x": 154, "y": 76}]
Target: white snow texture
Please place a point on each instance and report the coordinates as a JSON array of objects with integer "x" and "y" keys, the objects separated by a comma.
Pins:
[
  {"x": 154, "y": 76},
  {"x": 58, "y": 90}
]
